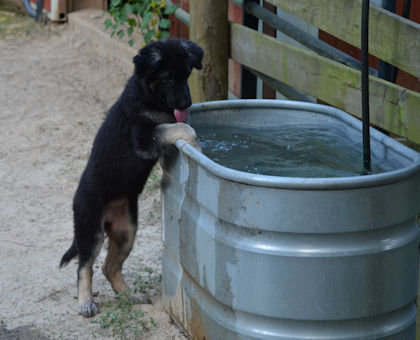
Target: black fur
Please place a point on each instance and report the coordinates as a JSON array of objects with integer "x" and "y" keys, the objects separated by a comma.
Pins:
[{"x": 126, "y": 148}]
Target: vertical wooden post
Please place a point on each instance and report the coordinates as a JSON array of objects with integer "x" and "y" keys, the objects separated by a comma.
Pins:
[{"x": 209, "y": 29}]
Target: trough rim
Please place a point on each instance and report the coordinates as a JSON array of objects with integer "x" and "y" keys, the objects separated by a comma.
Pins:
[{"x": 299, "y": 183}]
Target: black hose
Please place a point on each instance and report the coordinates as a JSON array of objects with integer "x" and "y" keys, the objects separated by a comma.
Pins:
[{"x": 365, "y": 86}]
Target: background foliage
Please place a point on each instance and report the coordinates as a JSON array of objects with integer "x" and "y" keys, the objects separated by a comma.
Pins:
[{"x": 149, "y": 16}]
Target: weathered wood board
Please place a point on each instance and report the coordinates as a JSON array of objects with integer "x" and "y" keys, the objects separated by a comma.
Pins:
[
  {"x": 392, "y": 107},
  {"x": 392, "y": 38}
]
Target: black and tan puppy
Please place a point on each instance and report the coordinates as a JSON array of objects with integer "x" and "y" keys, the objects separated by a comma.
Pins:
[{"x": 147, "y": 118}]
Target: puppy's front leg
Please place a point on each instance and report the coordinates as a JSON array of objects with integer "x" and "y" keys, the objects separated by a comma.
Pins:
[{"x": 169, "y": 133}]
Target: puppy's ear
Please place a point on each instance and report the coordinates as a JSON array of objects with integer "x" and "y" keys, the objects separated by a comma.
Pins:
[
  {"x": 195, "y": 53},
  {"x": 147, "y": 61}
]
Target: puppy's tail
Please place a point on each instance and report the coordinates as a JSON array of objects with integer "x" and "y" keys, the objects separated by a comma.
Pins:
[{"x": 69, "y": 254}]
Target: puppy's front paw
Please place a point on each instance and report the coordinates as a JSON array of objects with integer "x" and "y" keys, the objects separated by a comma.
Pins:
[
  {"x": 170, "y": 133},
  {"x": 88, "y": 309},
  {"x": 190, "y": 136},
  {"x": 186, "y": 132}
]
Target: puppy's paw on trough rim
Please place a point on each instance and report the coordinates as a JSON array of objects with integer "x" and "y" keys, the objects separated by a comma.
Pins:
[{"x": 170, "y": 133}]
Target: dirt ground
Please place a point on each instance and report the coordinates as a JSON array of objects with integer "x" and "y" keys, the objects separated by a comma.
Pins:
[{"x": 54, "y": 93}]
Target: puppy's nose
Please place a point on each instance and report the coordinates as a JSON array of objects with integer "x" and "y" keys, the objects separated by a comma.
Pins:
[{"x": 185, "y": 104}]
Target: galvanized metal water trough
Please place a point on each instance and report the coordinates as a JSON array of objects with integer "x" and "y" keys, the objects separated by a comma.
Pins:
[{"x": 260, "y": 257}]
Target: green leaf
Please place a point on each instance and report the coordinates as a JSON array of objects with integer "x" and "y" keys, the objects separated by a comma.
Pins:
[
  {"x": 130, "y": 31},
  {"x": 131, "y": 42},
  {"x": 116, "y": 13},
  {"x": 149, "y": 36},
  {"x": 127, "y": 9},
  {"x": 164, "y": 35},
  {"x": 139, "y": 8},
  {"x": 164, "y": 23},
  {"x": 170, "y": 9},
  {"x": 117, "y": 16},
  {"x": 108, "y": 23},
  {"x": 115, "y": 3},
  {"x": 157, "y": 11},
  {"x": 132, "y": 22},
  {"x": 123, "y": 19},
  {"x": 146, "y": 18},
  {"x": 120, "y": 34}
]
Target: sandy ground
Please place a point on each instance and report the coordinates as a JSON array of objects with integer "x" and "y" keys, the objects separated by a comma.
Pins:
[{"x": 54, "y": 93}]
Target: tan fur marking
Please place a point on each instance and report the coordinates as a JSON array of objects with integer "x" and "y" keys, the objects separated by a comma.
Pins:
[
  {"x": 113, "y": 266},
  {"x": 116, "y": 212},
  {"x": 121, "y": 238}
]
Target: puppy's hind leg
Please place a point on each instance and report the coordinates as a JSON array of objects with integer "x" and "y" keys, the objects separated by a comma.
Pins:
[
  {"x": 121, "y": 227},
  {"x": 89, "y": 242}
]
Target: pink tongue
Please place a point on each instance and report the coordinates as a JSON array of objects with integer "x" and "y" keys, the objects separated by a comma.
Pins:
[{"x": 180, "y": 115}]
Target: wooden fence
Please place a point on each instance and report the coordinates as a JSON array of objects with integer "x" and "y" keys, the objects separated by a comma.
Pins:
[{"x": 392, "y": 38}]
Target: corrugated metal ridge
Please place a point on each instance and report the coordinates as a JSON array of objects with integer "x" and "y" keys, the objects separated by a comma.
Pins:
[
  {"x": 305, "y": 244},
  {"x": 254, "y": 325}
]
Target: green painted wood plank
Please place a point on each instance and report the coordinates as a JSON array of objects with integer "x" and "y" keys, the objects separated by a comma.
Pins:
[
  {"x": 391, "y": 37},
  {"x": 392, "y": 107}
]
